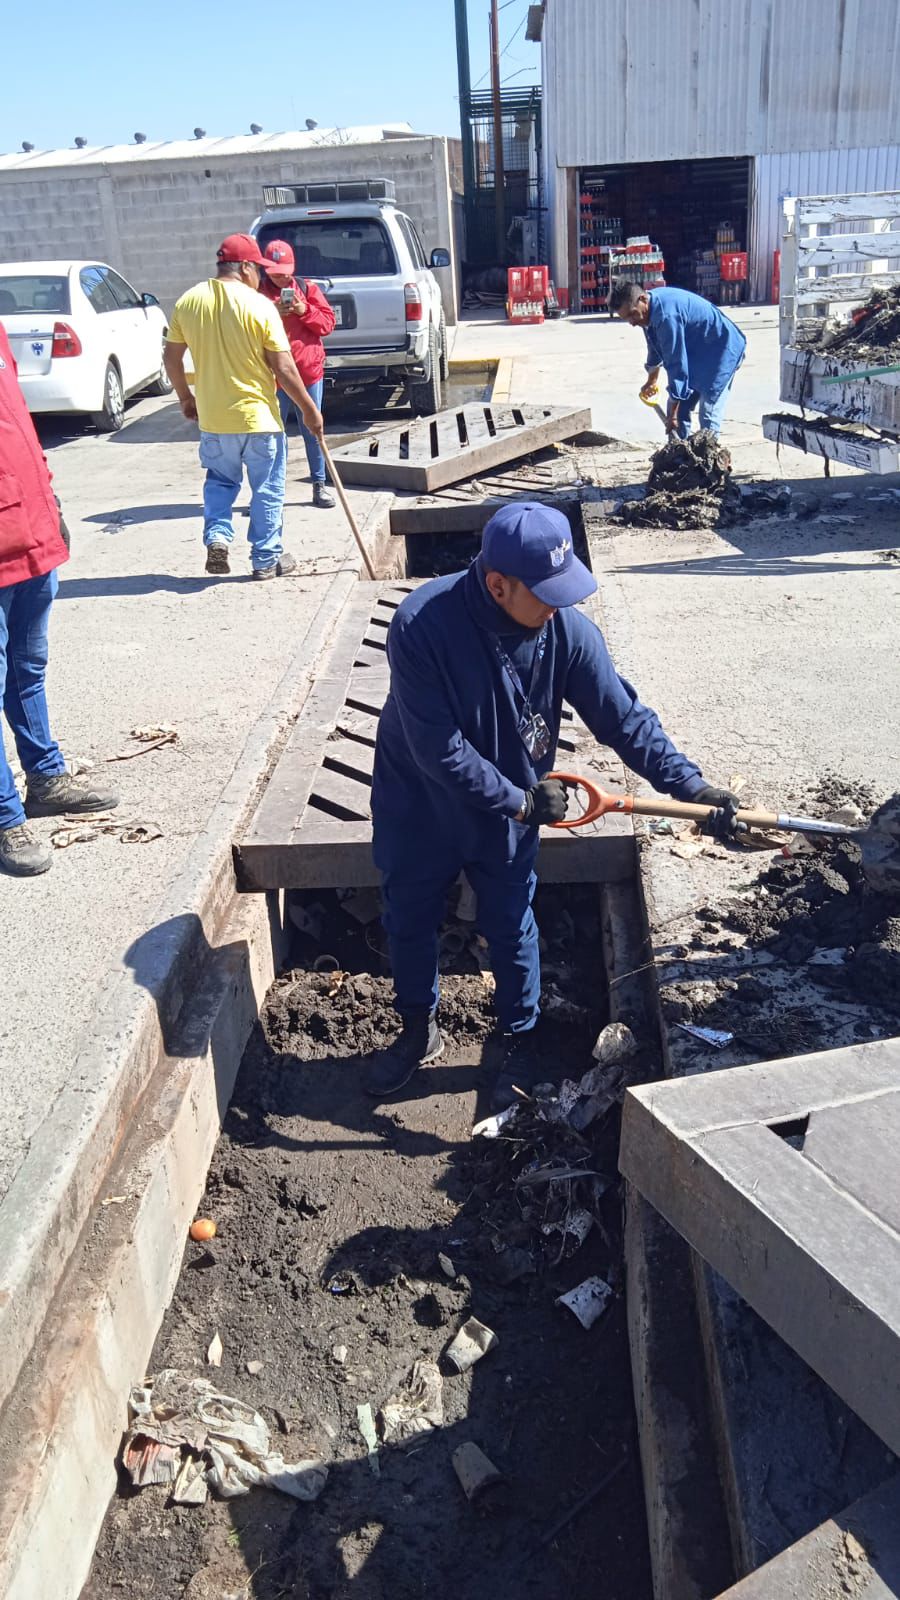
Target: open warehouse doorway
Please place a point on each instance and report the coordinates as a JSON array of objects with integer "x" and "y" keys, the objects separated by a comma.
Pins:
[{"x": 694, "y": 212}]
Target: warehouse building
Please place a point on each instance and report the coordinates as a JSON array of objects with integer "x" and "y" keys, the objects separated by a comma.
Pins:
[
  {"x": 157, "y": 211},
  {"x": 684, "y": 123}
]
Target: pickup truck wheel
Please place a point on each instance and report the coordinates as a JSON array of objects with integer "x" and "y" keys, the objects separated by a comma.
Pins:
[
  {"x": 111, "y": 418},
  {"x": 445, "y": 353},
  {"x": 425, "y": 397}
]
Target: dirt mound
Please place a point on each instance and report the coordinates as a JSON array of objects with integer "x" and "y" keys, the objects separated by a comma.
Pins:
[{"x": 690, "y": 486}]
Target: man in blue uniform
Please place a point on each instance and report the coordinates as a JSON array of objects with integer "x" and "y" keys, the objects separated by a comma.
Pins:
[
  {"x": 481, "y": 663},
  {"x": 700, "y": 349}
]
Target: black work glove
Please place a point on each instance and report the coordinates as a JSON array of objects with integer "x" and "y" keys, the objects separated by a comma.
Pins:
[
  {"x": 546, "y": 802},
  {"x": 722, "y": 823}
]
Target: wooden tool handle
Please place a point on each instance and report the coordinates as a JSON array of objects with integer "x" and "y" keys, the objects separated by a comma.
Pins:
[
  {"x": 345, "y": 506},
  {"x": 697, "y": 813}
]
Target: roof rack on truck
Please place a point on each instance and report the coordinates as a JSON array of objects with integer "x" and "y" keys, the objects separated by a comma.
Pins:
[{"x": 315, "y": 194}]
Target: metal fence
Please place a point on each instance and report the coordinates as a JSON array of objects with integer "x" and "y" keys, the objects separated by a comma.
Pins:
[{"x": 523, "y": 203}]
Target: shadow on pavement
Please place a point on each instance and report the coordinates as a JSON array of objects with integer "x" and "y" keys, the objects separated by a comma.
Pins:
[
  {"x": 124, "y": 515},
  {"x": 141, "y": 583}
]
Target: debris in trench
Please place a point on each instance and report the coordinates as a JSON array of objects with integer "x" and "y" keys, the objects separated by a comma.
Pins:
[
  {"x": 365, "y": 1418},
  {"x": 473, "y": 1341},
  {"x": 587, "y": 1301},
  {"x": 474, "y": 1471},
  {"x": 183, "y": 1429},
  {"x": 416, "y": 1409},
  {"x": 615, "y": 1043},
  {"x": 719, "y": 1038}
]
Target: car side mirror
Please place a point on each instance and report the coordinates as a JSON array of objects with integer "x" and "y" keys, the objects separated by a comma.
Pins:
[
  {"x": 440, "y": 257},
  {"x": 149, "y": 300}
]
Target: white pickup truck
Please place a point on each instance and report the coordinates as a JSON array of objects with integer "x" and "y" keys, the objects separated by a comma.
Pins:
[
  {"x": 370, "y": 262},
  {"x": 838, "y": 253}
]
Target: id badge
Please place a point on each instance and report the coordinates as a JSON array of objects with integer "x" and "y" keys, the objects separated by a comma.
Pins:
[{"x": 535, "y": 736}]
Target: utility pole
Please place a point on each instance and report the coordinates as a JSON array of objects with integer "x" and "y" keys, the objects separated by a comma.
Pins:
[
  {"x": 499, "y": 174},
  {"x": 465, "y": 99}
]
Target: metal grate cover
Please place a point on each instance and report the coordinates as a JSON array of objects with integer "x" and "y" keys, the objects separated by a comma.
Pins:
[
  {"x": 313, "y": 829},
  {"x": 427, "y": 453}
]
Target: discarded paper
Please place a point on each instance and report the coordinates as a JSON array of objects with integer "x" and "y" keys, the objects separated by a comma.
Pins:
[
  {"x": 416, "y": 1409},
  {"x": 717, "y": 1037},
  {"x": 366, "y": 1423},
  {"x": 473, "y": 1469},
  {"x": 587, "y": 1301},
  {"x": 473, "y": 1341},
  {"x": 183, "y": 1428}
]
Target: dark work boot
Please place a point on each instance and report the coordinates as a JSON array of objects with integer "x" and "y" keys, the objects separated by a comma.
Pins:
[
  {"x": 322, "y": 497},
  {"x": 419, "y": 1043},
  {"x": 217, "y": 560},
  {"x": 520, "y": 1068},
  {"x": 61, "y": 793},
  {"x": 21, "y": 854}
]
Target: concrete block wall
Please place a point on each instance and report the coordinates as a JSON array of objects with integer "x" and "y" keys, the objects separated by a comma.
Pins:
[{"x": 159, "y": 222}]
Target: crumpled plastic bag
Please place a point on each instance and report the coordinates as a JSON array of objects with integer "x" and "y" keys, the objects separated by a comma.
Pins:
[
  {"x": 416, "y": 1409},
  {"x": 184, "y": 1432}
]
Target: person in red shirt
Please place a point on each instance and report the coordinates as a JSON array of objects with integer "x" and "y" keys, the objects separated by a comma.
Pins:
[
  {"x": 31, "y": 549},
  {"x": 307, "y": 321}
]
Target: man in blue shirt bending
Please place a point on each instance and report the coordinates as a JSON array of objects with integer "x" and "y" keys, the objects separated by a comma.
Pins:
[
  {"x": 698, "y": 346},
  {"x": 481, "y": 663}
]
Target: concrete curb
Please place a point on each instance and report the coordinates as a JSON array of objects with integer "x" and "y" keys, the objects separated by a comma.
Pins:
[
  {"x": 137, "y": 1010},
  {"x": 65, "y": 1422}
]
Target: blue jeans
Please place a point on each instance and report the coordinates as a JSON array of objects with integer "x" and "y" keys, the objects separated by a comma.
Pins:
[
  {"x": 313, "y": 449},
  {"x": 24, "y": 624},
  {"x": 225, "y": 455},
  {"x": 415, "y": 898}
]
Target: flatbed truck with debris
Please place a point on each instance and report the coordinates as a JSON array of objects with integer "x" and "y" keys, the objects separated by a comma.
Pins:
[{"x": 840, "y": 329}]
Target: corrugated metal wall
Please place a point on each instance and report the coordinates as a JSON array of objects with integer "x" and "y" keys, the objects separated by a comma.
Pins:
[
  {"x": 664, "y": 80},
  {"x": 810, "y": 172}
]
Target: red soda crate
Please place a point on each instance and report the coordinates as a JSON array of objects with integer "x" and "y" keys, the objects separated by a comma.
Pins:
[{"x": 733, "y": 266}]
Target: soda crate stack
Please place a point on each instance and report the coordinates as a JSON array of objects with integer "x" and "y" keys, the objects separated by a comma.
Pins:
[{"x": 527, "y": 290}]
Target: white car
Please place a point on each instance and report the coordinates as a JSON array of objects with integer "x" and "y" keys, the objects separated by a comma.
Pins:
[{"x": 83, "y": 338}]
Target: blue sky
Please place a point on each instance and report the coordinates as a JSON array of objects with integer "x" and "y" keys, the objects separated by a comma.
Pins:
[{"x": 167, "y": 68}]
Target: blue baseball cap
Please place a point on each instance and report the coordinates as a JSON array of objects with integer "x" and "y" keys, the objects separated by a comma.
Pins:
[{"x": 533, "y": 543}]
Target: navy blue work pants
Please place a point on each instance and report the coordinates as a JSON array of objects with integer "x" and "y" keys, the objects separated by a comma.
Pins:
[{"x": 415, "y": 897}]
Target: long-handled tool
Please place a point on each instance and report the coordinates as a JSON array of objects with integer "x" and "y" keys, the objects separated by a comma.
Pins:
[
  {"x": 879, "y": 842},
  {"x": 345, "y": 506},
  {"x": 651, "y": 401}
]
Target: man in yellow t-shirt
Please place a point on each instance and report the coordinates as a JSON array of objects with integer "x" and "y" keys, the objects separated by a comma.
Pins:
[{"x": 240, "y": 349}]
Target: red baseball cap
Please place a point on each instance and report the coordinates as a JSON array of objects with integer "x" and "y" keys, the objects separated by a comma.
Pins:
[
  {"x": 279, "y": 257},
  {"x": 240, "y": 247}
]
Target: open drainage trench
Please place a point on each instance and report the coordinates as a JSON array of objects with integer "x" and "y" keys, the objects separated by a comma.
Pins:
[{"x": 353, "y": 1241}]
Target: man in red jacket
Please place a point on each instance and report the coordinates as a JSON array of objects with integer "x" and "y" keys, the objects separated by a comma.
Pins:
[
  {"x": 308, "y": 319},
  {"x": 31, "y": 549}
]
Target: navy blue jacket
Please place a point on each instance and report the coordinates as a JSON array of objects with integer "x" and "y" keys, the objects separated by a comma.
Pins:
[
  {"x": 450, "y": 763},
  {"x": 700, "y": 349}
]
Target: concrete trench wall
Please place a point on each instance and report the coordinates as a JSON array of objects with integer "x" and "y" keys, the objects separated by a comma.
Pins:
[{"x": 159, "y": 222}]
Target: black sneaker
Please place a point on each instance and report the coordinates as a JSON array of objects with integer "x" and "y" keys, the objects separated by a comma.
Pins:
[
  {"x": 519, "y": 1069},
  {"x": 322, "y": 497},
  {"x": 419, "y": 1043},
  {"x": 217, "y": 560},
  {"x": 21, "y": 854},
  {"x": 61, "y": 793},
  {"x": 285, "y": 564}
]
